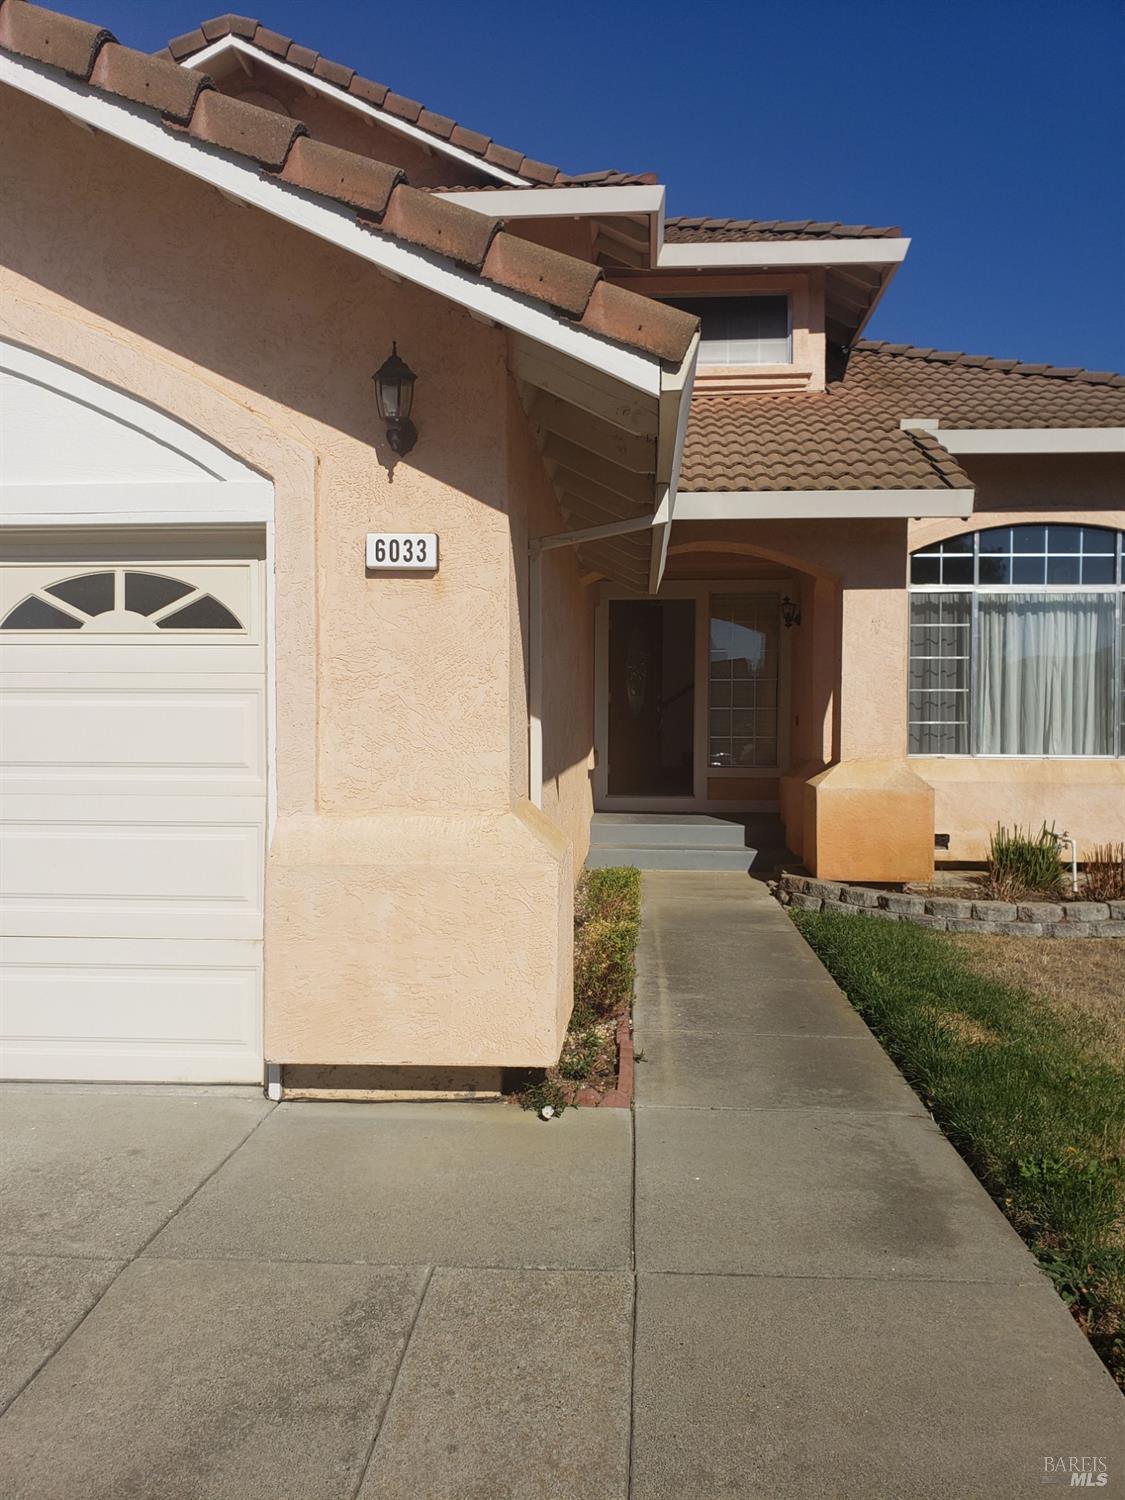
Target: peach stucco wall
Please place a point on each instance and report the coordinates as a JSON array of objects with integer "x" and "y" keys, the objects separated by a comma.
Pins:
[{"x": 418, "y": 908}]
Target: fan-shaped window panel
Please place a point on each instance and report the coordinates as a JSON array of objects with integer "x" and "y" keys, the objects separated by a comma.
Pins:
[
  {"x": 204, "y": 613},
  {"x": 122, "y": 602},
  {"x": 92, "y": 593},
  {"x": 39, "y": 614}
]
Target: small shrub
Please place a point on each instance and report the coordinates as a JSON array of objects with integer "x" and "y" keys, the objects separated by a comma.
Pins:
[
  {"x": 607, "y": 919},
  {"x": 1024, "y": 864},
  {"x": 1105, "y": 873},
  {"x": 547, "y": 1091}
]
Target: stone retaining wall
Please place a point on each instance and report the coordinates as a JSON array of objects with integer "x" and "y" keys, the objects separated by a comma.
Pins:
[{"x": 1071, "y": 919}]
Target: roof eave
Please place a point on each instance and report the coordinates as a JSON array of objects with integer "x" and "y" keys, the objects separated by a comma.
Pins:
[
  {"x": 821, "y": 505},
  {"x": 768, "y": 254}
]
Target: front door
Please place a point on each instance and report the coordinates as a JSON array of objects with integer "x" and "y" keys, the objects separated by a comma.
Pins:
[{"x": 651, "y": 720}]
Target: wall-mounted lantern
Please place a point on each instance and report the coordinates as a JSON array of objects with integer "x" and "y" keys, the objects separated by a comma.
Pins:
[
  {"x": 790, "y": 613},
  {"x": 394, "y": 396}
]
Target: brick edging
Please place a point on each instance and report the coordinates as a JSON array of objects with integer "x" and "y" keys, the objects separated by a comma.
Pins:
[
  {"x": 1071, "y": 919},
  {"x": 621, "y": 1095}
]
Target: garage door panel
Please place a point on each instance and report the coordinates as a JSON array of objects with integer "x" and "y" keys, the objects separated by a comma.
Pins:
[
  {"x": 175, "y": 740},
  {"x": 136, "y": 1010},
  {"x": 133, "y": 879}
]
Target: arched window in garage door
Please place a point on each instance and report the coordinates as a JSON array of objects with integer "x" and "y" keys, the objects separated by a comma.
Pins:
[{"x": 121, "y": 600}]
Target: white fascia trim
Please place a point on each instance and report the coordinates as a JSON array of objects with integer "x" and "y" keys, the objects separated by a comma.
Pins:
[
  {"x": 561, "y": 202},
  {"x": 820, "y": 505},
  {"x": 1031, "y": 439},
  {"x": 235, "y": 44},
  {"x": 332, "y": 222},
  {"x": 754, "y": 253},
  {"x": 675, "y": 410}
]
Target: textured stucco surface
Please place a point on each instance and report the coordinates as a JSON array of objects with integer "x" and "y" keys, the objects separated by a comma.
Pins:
[{"x": 401, "y": 726}]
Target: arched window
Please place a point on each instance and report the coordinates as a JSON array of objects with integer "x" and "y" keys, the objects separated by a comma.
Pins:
[
  {"x": 1016, "y": 643},
  {"x": 120, "y": 601}
]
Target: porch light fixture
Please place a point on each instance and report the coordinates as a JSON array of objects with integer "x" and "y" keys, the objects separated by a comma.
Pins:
[
  {"x": 394, "y": 396},
  {"x": 790, "y": 613}
]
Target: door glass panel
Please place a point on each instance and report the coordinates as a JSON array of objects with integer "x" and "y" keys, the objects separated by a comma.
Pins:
[
  {"x": 651, "y": 698},
  {"x": 743, "y": 680},
  {"x": 92, "y": 593}
]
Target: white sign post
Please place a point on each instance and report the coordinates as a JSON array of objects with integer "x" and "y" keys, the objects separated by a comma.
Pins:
[{"x": 402, "y": 552}]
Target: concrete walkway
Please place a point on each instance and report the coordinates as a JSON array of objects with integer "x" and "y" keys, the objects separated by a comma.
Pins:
[{"x": 785, "y": 1284}]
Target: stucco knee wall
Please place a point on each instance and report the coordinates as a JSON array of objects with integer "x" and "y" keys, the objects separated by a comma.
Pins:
[
  {"x": 1085, "y": 798},
  {"x": 419, "y": 941}
]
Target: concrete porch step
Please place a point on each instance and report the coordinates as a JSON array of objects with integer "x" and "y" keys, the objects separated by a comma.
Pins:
[
  {"x": 686, "y": 830},
  {"x": 684, "y": 857}
]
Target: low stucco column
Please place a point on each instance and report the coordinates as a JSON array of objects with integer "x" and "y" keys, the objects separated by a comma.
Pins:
[{"x": 869, "y": 816}]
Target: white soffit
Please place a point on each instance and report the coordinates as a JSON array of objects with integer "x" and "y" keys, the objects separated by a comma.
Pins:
[
  {"x": 330, "y": 221},
  {"x": 1031, "y": 439},
  {"x": 820, "y": 505},
  {"x": 236, "y": 45},
  {"x": 751, "y": 254}
]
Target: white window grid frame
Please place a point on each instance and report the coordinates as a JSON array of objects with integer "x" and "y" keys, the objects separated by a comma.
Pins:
[
  {"x": 975, "y": 590},
  {"x": 726, "y": 295}
]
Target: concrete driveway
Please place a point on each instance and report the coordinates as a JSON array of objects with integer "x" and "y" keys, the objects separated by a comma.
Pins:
[{"x": 774, "y": 1278}]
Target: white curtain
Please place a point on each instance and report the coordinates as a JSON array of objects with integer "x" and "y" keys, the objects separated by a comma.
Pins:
[{"x": 1044, "y": 674}]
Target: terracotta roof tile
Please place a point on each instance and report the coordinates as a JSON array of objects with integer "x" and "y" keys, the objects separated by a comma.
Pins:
[
  {"x": 683, "y": 230},
  {"x": 229, "y": 26},
  {"x": 334, "y": 73},
  {"x": 60, "y": 41},
  {"x": 405, "y": 109},
  {"x": 469, "y": 140},
  {"x": 439, "y": 125},
  {"x": 503, "y": 156},
  {"x": 184, "y": 45},
  {"x": 848, "y": 436},
  {"x": 301, "y": 57},
  {"x": 421, "y": 219},
  {"x": 561, "y": 280},
  {"x": 272, "y": 41},
  {"x": 155, "y": 81},
  {"x": 277, "y": 144},
  {"x": 242, "y": 127},
  {"x": 371, "y": 93},
  {"x": 353, "y": 179},
  {"x": 620, "y": 315}
]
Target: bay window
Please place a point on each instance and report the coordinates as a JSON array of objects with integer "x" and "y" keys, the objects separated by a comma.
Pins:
[{"x": 1016, "y": 643}]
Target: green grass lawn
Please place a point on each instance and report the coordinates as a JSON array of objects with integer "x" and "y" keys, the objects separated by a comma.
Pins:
[{"x": 1031, "y": 1097}]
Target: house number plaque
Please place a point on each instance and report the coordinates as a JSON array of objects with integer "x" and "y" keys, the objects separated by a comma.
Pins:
[{"x": 402, "y": 552}]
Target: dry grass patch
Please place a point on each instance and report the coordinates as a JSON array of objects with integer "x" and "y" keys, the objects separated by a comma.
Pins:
[{"x": 1083, "y": 981}]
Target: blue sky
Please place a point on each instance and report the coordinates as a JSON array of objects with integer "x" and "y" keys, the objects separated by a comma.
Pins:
[{"x": 990, "y": 130}]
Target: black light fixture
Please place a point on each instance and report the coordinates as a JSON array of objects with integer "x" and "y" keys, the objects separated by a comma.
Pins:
[
  {"x": 394, "y": 396},
  {"x": 790, "y": 613}
]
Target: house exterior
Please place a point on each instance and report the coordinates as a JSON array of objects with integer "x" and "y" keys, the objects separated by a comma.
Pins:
[{"x": 680, "y": 540}]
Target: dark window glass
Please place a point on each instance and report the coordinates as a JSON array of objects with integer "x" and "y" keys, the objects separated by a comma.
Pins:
[
  {"x": 925, "y": 569},
  {"x": 994, "y": 569},
  {"x": 1098, "y": 569},
  {"x": 1064, "y": 538},
  {"x": 202, "y": 614},
  {"x": 999, "y": 539},
  {"x": 1029, "y": 569},
  {"x": 957, "y": 570},
  {"x": 1029, "y": 539},
  {"x": 1063, "y": 569},
  {"x": 963, "y": 543},
  {"x": 1097, "y": 539},
  {"x": 145, "y": 593},
  {"x": 92, "y": 593},
  {"x": 37, "y": 614},
  {"x": 740, "y": 330}
]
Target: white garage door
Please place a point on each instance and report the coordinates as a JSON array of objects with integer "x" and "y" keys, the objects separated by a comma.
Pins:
[{"x": 133, "y": 806}]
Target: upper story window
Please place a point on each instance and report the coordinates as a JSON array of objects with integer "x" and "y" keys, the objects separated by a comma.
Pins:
[
  {"x": 1017, "y": 643},
  {"x": 740, "y": 330}
]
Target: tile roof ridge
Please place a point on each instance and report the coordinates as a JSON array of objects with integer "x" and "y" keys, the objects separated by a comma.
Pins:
[
  {"x": 377, "y": 95},
  {"x": 987, "y": 362},
  {"x": 185, "y": 100},
  {"x": 795, "y": 228},
  {"x": 943, "y": 463}
]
